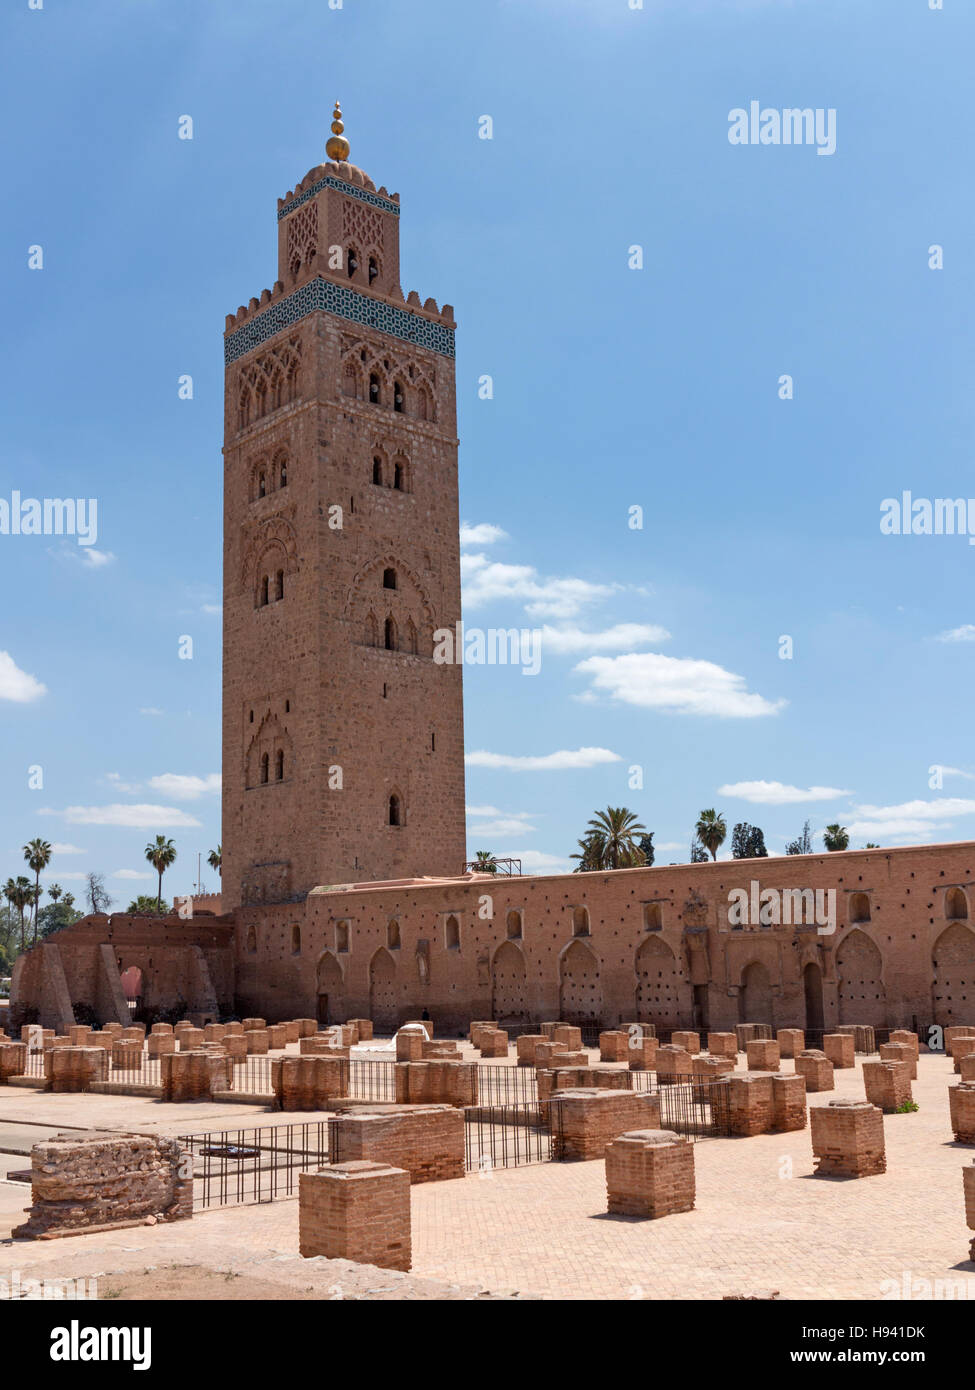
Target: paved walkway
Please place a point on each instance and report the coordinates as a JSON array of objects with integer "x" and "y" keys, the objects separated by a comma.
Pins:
[{"x": 762, "y": 1222}]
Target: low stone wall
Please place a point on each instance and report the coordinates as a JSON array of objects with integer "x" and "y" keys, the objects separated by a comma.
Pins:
[
  {"x": 887, "y": 1085},
  {"x": 583, "y": 1122},
  {"x": 642, "y": 1053},
  {"x": 436, "y": 1083},
  {"x": 649, "y": 1173},
  {"x": 961, "y": 1101},
  {"x": 968, "y": 1177},
  {"x": 674, "y": 1065},
  {"x": 195, "y": 1075},
  {"x": 848, "y": 1139},
  {"x": 356, "y": 1211},
  {"x": 816, "y": 1070},
  {"x": 309, "y": 1083},
  {"x": 840, "y": 1049},
  {"x": 723, "y": 1045},
  {"x": 614, "y": 1046},
  {"x": 425, "y": 1140},
  {"x": 75, "y": 1068},
  {"x": 791, "y": 1041},
  {"x": 13, "y": 1059},
  {"x": 762, "y": 1054},
  {"x": 862, "y": 1035},
  {"x": 106, "y": 1180}
]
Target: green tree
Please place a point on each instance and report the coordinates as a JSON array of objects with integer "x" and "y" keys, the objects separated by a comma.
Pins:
[
  {"x": 215, "y": 859},
  {"x": 486, "y": 862},
  {"x": 747, "y": 842},
  {"x": 55, "y": 916},
  {"x": 836, "y": 837},
  {"x": 160, "y": 854},
  {"x": 711, "y": 831},
  {"x": 590, "y": 854},
  {"x": 55, "y": 891},
  {"x": 19, "y": 893},
  {"x": 37, "y": 852},
  {"x": 145, "y": 903},
  {"x": 699, "y": 854},
  {"x": 646, "y": 846},
  {"x": 618, "y": 828},
  {"x": 802, "y": 845}
]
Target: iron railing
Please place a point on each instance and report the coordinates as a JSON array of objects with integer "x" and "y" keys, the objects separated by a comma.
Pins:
[
  {"x": 244, "y": 1166},
  {"x": 504, "y": 1136}
]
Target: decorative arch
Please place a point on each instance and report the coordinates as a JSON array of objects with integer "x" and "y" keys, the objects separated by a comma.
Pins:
[
  {"x": 953, "y": 988},
  {"x": 859, "y": 907},
  {"x": 275, "y": 540},
  {"x": 383, "y": 1005},
  {"x": 755, "y": 994},
  {"x": 580, "y": 990},
  {"x": 663, "y": 995},
  {"x": 859, "y": 971},
  {"x": 812, "y": 989},
  {"x": 330, "y": 986},
  {"x": 363, "y": 579},
  {"x": 509, "y": 983},
  {"x": 956, "y": 904},
  {"x": 270, "y": 739}
]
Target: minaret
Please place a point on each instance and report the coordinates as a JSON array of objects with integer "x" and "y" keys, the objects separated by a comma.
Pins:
[{"x": 342, "y": 737}]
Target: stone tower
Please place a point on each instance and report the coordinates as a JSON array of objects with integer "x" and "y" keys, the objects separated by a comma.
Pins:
[{"x": 342, "y": 737}]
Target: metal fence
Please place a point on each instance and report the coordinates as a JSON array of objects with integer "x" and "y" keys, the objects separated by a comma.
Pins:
[
  {"x": 370, "y": 1079},
  {"x": 504, "y": 1136},
  {"x": 242, "y": 1166}
]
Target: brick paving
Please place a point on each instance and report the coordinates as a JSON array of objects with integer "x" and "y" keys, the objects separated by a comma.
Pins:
[{"x": 543, "y": 1230}]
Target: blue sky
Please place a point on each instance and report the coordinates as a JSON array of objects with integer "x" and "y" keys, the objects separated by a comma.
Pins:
[{"x": 613, "y": 388}]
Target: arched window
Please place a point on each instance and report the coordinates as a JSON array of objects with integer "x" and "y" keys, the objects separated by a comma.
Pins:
[
  {"x": 279, "y": 585},
  {"x": 283, "y": 475},
  {"x": 390, "y": 635},
  {"x": 513, "y": 925},
  {"x": 341, "y": 936},
  {"x": 264, "y": 587},
  {"x": 398, "y": 477},
  {"x": 374, "y": 396},
  {"x": 372, "y": 631},
  {"x": 652, "y": 919},
  {"x": 373, "y": 269},
  {"x": 262, "y": 485},
  {"x": 411, "y": 638},
  {"x": 265, "y": 764},
  {"x": 452, "y": 933},
  {"x": 279, "y": 765},
  {"x": 580, "y": 921},
  {"x": 352, "y": 261},
  {"x": 260, "y": 398},
  {"x": 395, "y": 810},
  {"x": 389, "y": 579},
  {"x": 399, "y": 397},
  {"x": 244, "y": 409},
  {"x": 859, "y": 907},
  {"x": 277, "y": 391},
  {"x": 956, "y": 904},
  {"x": 377, "y": 471},
  {"x": 251, "y": 941},
  {"x": 392, "y": 934},
  {"x": 296, "y": 941}
]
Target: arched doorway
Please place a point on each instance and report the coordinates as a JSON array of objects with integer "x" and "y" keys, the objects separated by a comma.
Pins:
[
  {"x": 859, "y": 969},
  {"x": 662, "y": 996},
  {"x": 508, "y": 985},
  {"x": 580, "y": 993},
  {"x": 755, "y": 995},
  {"x": 812, "y": 987},
  {"x": 382, "y": 992},
  {"x": 134, "y": 987},
  {"x": 953, "y": 989},
  {"x": 330, "y": 985}
]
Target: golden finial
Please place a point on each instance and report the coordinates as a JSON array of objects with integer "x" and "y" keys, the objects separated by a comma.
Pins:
[{"x": 338, "y": 147}]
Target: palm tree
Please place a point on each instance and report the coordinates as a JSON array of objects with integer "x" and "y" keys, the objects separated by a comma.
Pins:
[
  {"x": 19, "y": 893},
  {"x": 711, "y": 831},
  {"x": 836, "y": 837},
  {"x": 617, "y": 830},
  {"x": 486, "y": 862},
  {"x": 55, "y": 892},
  {"x": 38, "y": 855},
  {"x": 215, "y": 859},
  {"x": 160, "y": 855},
  {"x": 590, "y": 854}
]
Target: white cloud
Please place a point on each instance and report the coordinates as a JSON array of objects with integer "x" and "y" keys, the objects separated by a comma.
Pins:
[
  {"x": 151, "y": 710},
  {"x": 57, "y": 877},
  {"x": 131, "y": 873},
  {"x": 211, "y": 608},
  {"x": 483, "y": 533},
  {"x": 676, "y": 685},
  {"x": 186, "y": 788},
  {"x": 539, "y": 862},
  {"x": 779, "y": 793},
  {"x": 58, "y": 848},
  {"x": 488, "y": 581},
  {"x": 672, "y": 844},
  {"x": 965, "y": 633},
  {"x": 546, "y": 762},
  {"x": 16, "y": 684},
  {"x": 127, "y": 787},
  {"x": 958, "y": 772},
  {"x": 618, "y": 638},
  {"x": 136, "y": 817},
  {"x": 482, "y": 811},
  {"x": 910, "y": 817},
  {"x": 94, "y": 559},
  {"x": 504, "y": 825}
]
